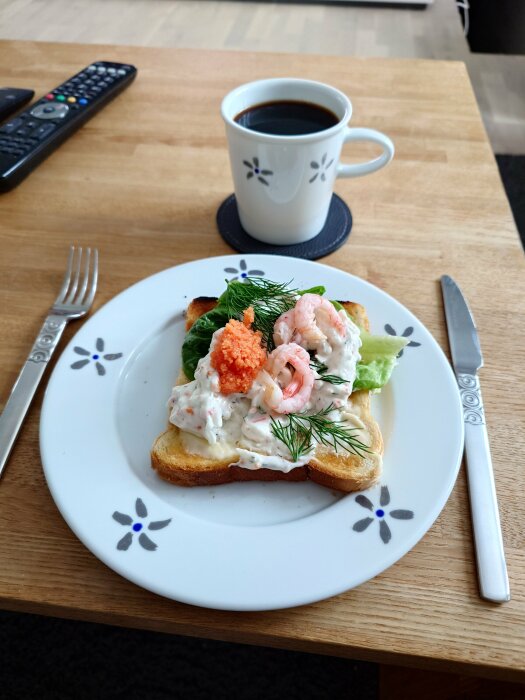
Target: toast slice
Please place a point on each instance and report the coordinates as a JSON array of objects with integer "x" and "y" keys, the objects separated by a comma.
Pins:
[{"x": 344, "y": 472}]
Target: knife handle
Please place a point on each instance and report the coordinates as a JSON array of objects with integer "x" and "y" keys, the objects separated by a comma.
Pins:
[{"x": 490, "y": 555}]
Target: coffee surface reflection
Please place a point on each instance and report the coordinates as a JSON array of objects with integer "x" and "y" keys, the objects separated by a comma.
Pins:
[{"x": 287, "y": 118}]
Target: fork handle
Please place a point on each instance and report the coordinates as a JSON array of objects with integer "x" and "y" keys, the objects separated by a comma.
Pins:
[{"x": 25, "y": 386}]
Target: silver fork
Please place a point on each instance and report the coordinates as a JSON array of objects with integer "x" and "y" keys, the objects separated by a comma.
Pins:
[{"x": 74, "y": 301}]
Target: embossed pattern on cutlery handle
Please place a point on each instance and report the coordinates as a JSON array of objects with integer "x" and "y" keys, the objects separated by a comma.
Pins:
[
  {"x": 27, "y": 383},
  {"x": 490, "y": 555}
]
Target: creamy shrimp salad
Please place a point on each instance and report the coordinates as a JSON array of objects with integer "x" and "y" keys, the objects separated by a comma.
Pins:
[{"x": 219, "y": 422}]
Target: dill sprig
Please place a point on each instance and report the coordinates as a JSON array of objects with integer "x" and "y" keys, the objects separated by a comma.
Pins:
[
  {"x": 301, "y": 430},
  {"x": 268, "y": 299},
  {"x": 321, "y": 368},
  {"x": 296, "y": 436}
]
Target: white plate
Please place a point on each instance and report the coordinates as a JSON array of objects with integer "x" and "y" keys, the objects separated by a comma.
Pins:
[{"x": 245, "y": 546}]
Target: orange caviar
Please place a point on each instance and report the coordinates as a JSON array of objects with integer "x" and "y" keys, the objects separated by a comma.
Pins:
[{"x": 238, "y": 355}]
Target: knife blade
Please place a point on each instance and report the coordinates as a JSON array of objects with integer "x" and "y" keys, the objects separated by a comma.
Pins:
[{"x": 467, "y": 359}]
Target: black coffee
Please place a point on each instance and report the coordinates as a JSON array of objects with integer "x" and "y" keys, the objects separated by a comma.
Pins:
[{"x": 287, "y": 118}]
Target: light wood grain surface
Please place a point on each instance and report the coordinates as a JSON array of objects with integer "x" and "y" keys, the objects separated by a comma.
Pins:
[
  {"x": 297, "y": 27},
  {"x": 142, "y": 182}
]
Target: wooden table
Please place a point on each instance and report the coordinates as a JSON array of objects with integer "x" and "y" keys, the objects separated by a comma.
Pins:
[{"x": 142, "y": 182}]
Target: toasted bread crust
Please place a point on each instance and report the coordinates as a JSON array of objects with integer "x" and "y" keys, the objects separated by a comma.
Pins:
[{"x": 345, "y": 473}]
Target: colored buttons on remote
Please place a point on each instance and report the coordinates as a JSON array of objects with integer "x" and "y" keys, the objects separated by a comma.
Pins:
[{"x": 35, "y": 133}]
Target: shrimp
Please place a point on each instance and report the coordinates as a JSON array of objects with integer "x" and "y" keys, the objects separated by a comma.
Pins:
[
  {"x": 284, "y": 328},
  {"x": 297, "y": 386},
  {"x": 306, "y": 313}
]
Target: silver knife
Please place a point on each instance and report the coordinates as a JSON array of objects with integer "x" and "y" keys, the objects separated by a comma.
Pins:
[{"x": 467, "y": 359}]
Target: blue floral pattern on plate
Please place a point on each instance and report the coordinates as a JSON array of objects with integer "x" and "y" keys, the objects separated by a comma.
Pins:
[
  {"x": 380, "y": 514},
  {"x": 95, "y": 356},
  {"x": 405, "y": 334},
  {"x": 136, "y": 525},
  {"x": 242, "y": 272}
]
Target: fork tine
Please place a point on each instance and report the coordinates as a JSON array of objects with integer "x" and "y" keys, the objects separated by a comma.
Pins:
[
  {"x": 85, "y": 279},
  {"x": 93, "y": 287},
  {"x": 67, "y": 276},
  {"x": 74, "y": 285}
]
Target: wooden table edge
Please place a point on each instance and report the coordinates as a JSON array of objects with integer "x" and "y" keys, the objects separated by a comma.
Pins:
[{"x": 259, "y": 639}]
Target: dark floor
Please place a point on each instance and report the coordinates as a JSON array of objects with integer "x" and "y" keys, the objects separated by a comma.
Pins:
[
  {"x": 512, "y": 171},
  {"x": 45, "y": 658}
]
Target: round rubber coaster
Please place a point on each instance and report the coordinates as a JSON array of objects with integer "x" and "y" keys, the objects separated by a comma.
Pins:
[{"x": 334, "y": 233}]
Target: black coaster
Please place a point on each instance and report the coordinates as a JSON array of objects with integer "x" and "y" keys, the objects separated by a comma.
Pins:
[{"x": 334, "y": 234}]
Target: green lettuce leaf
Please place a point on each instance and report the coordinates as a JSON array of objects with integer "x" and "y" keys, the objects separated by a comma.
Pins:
[
  {"x": 378, "y": 359},
  {"x": 198, "y": 339}
]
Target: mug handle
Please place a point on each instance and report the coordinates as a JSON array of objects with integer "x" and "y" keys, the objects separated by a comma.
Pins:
[{"x": 358, "y": 169}]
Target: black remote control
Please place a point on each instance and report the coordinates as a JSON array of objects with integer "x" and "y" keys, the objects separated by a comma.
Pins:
[
  {"x": 12, "y": 99},
  {"x": 35, "y": 133}
]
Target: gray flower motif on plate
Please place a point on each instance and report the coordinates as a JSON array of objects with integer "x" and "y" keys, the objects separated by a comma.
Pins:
[
  {"x": 405, "y": 334},
  {"x": 136, "y": 525},
  {"x": 320, "y": 168},
  {"x": 242, "y": 272},
  {"x": 380, "y": 514},
  {"x": 97, "y": 357},
  {"x": 255, "y": 170}
]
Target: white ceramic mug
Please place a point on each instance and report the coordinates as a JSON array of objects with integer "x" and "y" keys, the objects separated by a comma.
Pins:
[{"x": 284, "y": 184}]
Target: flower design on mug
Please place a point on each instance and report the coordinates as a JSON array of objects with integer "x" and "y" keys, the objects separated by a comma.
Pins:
[
  {"x": 321, "y": 168},
  {"x": 96, "y": 356},
  {"x": 255, "y": 170}
]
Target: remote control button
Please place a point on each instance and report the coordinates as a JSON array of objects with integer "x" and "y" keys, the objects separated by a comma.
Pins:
[
  {"x": 121, "y": 71},
  {"x": 50, "y": 96},
  {"x": 101, "y": 69},
  {"x": 112, "y": 71},
  {"x": 30, "y": 124},
  {"x": 81, "y": 76},
  {"x": 103, "y": 84},
  {"x": 44, "y": 130},
  {"x": 21, "y": 132},
  {"x": 89, "y": 82},
  {"x": 71, "y": 99},
  {"x": 91, "y": 68},
  {"x": 82, "y": 101},
  {"x": 50, "y": 110},
  {"x": 61, "y": 98},
  {"x": 10, "y": 126},
  {"x": 96, "y": 89}
]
